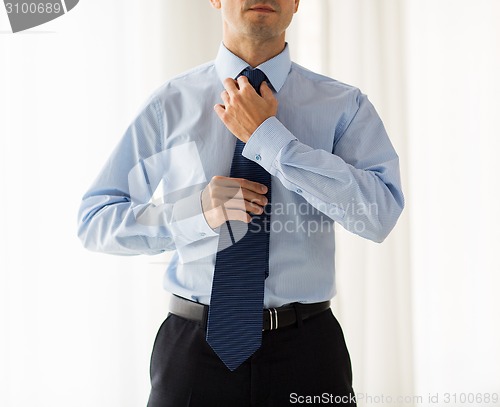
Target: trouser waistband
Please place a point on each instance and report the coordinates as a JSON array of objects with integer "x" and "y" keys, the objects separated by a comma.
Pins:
[{"x": 272, "y": 318}]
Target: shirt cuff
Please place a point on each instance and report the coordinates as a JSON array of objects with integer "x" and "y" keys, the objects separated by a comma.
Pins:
[
  {"x": 188, "y": 221},
  {"x": 266, "y": 142}
]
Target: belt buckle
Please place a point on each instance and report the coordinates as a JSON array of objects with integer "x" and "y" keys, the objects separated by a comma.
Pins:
[{"x": 273, "y": 318}]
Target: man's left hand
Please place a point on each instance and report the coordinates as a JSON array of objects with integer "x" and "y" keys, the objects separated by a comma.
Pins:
[{"x": 243, "y": 109}]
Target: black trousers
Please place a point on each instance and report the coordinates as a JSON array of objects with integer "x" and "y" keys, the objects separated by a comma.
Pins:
[{"x": 301, "y": 364}]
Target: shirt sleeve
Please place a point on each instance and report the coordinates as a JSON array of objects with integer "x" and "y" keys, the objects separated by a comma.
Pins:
[
  {"x": 120, "y": 213},
  {"x": 357, "y": 184}
]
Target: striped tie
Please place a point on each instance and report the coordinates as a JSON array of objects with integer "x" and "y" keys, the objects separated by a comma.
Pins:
[{"x": 234, "y": 329}]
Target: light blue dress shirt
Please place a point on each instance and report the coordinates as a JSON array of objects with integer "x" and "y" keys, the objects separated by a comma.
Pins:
[{"x": 327, "y": 151}]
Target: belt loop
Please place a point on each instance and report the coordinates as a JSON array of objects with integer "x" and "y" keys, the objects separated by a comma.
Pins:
[{"x": 298, "y": 314}]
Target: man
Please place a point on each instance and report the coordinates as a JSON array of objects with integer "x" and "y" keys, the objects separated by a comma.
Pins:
[{"x": 288, "y": 153}]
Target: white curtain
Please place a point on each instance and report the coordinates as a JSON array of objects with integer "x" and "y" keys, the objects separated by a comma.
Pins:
[
  {"x": 453, "y": 61},
  {"x": 362, "y": 43},
  {"x": 419, "y": 312},
  {"x": 76, "y": 328}
]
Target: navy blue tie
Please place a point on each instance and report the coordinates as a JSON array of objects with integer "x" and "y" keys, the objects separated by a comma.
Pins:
[{"x": 234, "y": 329}]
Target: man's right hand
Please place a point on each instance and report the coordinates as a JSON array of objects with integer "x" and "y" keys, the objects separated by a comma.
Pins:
[{"x": 226, "y": 198}]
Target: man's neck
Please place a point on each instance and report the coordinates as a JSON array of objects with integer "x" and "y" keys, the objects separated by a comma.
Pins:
[{"x": 254, "y": 52}]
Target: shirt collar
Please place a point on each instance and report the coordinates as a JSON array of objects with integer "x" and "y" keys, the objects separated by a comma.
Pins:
[{"x": 276, "y": 69}]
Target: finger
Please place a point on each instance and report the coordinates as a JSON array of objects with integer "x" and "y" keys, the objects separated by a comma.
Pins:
[
  {"x": 246, "y": 194},
  {"x": 243, "y": 205},
  {"x": 238, "y": 215},
  {"x": 225, "y": 97},
  {"x": 226, "y": 194},
  {"x": 220, "y": 110},
  {"x": 225, "y": 188},
  {"x": 231, "y": 86},
  {"x": 243, "y": 82},
  {"x": 220, "y": 180},
  {"x": 253, "y": 186},
  {"x": 219, "y": 215},
  {"x": 254, "y": 197},
  {"x": 265, "y": 91}
]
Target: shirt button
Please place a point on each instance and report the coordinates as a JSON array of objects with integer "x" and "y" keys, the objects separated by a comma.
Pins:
[
  {"x": 203, "y": 234},
  {"x": 258, "y": 157},
  {"x": 299, "y": 191}
]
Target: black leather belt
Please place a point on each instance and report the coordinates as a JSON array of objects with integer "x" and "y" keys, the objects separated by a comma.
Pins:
[{"x": 272, "y": 318}]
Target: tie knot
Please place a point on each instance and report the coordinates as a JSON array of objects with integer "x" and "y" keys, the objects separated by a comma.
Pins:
[{"x": 255, "y": 77}]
